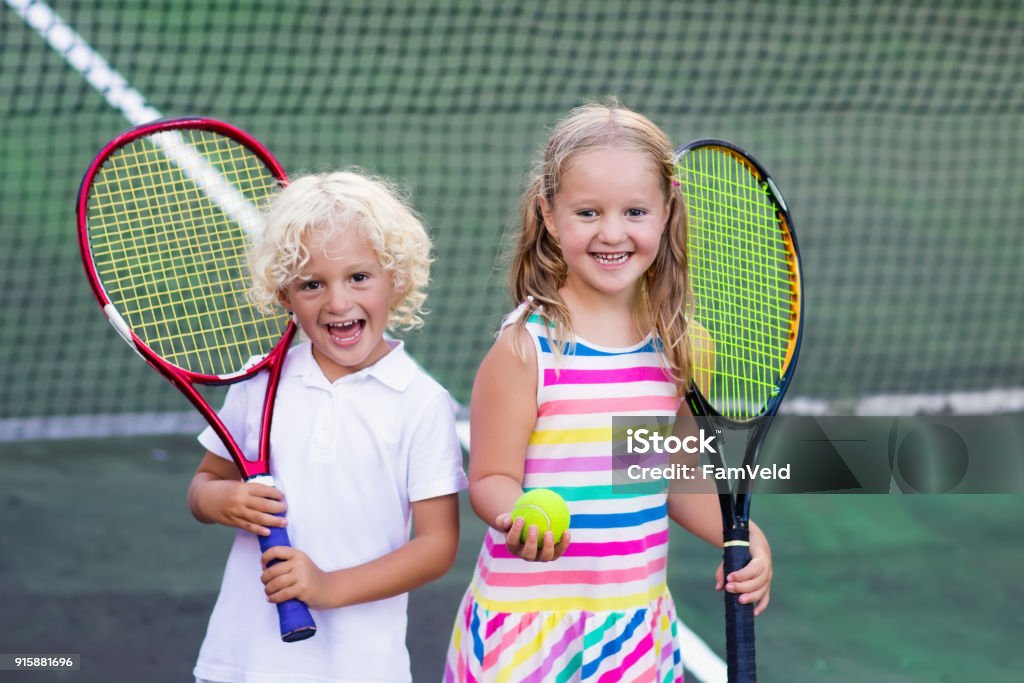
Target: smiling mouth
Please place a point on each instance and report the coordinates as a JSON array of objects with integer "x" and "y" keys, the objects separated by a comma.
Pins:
[
  {"x": 611, "y": 259},
  {"x": 347, "y": 332}
]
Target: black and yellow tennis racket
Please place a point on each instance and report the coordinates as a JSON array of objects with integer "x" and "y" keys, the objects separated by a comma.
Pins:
[
  {"x": 745, "y": 275},
  {"x": 165, "y": 216}
]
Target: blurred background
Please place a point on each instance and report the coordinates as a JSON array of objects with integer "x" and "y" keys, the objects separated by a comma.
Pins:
[{"x": 893, "y": 129}]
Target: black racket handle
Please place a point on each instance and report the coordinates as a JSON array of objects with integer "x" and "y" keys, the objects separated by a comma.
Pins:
[{"x": 739, "y": 618}]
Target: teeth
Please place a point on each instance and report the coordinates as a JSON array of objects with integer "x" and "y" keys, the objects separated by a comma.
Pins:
[
  {"x": 351, "y": 328},
  {"x": 612, "y": 258}
]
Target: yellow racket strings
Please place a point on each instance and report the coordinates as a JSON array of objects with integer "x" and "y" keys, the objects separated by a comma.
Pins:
[
  {"x": 742, "y": 271},
  {"x": 170, "y": 249}
]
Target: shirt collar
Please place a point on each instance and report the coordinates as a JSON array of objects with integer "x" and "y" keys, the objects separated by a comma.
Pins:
[{"x": 395, "y": 370}]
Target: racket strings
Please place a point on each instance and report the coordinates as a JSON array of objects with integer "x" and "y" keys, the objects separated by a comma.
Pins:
[
  {"x": 742, "y": 278},
  {"x": 156, "y": 250},
  {"x": 168, "y": 220}
]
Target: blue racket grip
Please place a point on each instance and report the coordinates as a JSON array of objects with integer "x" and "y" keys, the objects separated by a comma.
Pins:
[
  {"x": 296, "y": 621},
  {"x": 739, "y": 618}
]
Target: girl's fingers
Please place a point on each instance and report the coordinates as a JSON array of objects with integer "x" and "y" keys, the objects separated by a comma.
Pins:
[
  {"x": 762, "y": 604},
  {"x": 563, "y": 544},
  {"x": 745, "y": 587},
  {"x": 514, "y": 537},
  {"x": 529, "y": 549},
  {"x": 753, "y": 569},
  {"x": 547, "y": 550}
]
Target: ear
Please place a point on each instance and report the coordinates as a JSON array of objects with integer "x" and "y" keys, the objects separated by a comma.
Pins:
[
  {"x": 282, "y": 298},
  {"x": 546, "y": 211}
]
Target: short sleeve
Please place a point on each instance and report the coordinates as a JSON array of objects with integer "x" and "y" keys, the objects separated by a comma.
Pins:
[
  {"x": 435, "y": 457},
  {"x": 233, "y": 415}
]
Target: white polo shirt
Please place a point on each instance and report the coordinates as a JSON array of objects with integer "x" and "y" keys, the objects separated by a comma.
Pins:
[{"x": 350, "y": 457}]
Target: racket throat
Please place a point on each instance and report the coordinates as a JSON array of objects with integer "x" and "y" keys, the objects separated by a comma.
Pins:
[
  {"x": 737, "y": 537},
  {"x": 264, "y": 479}
]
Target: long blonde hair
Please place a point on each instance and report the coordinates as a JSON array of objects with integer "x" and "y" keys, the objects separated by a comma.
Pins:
[{"x": 537, "y": 267}]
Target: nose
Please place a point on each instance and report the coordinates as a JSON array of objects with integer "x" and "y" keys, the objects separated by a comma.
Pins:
[
  {"x": 613, "y": 230},
  {"x": 339, "y": 300}
]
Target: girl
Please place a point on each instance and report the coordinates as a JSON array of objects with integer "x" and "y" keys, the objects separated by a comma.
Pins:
[
  {"x": 362, "y": 440},
  {"x": 600, "y": 266}
]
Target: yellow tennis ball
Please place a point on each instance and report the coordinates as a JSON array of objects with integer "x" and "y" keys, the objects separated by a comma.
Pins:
[{"x": 544, "y": 509}]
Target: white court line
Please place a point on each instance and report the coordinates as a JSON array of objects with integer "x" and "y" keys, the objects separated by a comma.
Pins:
[
  {"x": 79, "y": 54},
  {"x": 119, "y": 93},
  {"x": 994, "y": 402}
]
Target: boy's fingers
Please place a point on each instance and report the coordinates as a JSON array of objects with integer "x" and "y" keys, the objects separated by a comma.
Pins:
[
  {"x": 289, "y": 593},
  {"x": 260, "y": 522},
  {"x": 276, "y": 572},
  {"x": 264, "y": 491},
  {"x": 278, "y": 552},
  {"x": 253, "y": 526},
  {"x": 267, "y": 519},
  {"x": 267, "y": 505},
  {"x": 279, "y": 592}
]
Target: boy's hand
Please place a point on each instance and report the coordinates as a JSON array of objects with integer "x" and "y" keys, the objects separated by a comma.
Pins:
[
  {"x": 534, "y": 549},
  {"x": 753, "y": 582},
  {"x": 251, "y": 507},
  {"x": 293, "y": 576}
]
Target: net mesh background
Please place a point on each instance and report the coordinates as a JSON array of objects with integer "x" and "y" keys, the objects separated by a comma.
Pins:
[{"x": 892, "y": 128}]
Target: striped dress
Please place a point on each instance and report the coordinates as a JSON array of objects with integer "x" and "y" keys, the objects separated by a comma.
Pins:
[{"x": 601, "y": 612}]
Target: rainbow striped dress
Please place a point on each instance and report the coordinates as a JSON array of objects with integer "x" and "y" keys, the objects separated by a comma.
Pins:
[{"x": 602, "y": 612}]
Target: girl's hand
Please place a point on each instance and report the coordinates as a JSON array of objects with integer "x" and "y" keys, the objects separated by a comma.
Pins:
[
  {"x": 753, "y": 582},
  {"x": 251, "y": 507},
  {"x": 295, "y": 576},
  {"x": 535, "y": 548}
]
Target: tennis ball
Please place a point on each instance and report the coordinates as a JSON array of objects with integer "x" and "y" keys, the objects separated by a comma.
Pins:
[{"x": 544, "y": 509}]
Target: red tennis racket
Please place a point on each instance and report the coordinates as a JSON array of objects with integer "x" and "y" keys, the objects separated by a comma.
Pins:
[{"x": 165, "y": 215}]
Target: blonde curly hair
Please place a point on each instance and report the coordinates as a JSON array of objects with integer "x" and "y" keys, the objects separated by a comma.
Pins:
[{"x": 321, "y": 205}]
